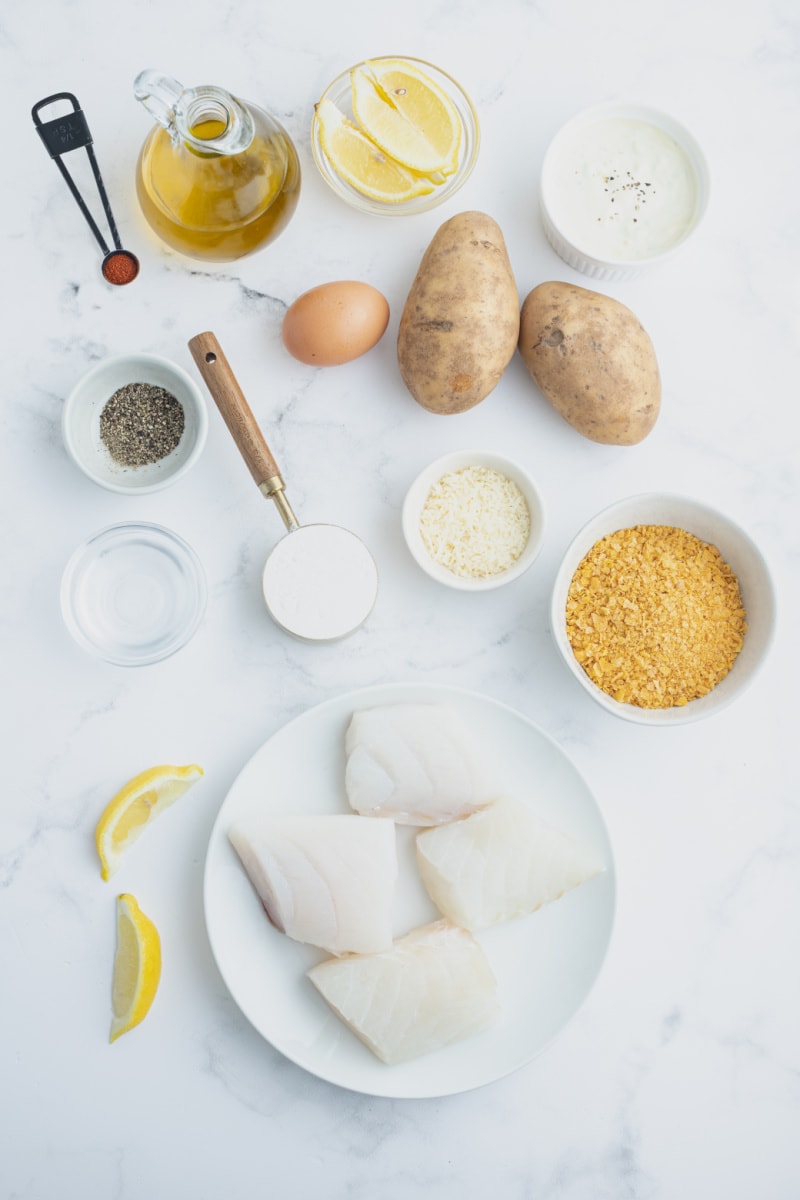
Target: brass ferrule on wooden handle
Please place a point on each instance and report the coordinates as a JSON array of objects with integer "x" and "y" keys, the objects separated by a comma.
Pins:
[
  {"x": 242, "y": 425},
  {"x": 278, "y": 496}
]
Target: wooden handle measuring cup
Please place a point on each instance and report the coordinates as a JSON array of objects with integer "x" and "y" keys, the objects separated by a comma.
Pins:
[
  {"x": 320, "y": 582},
  {"x": 242, "y": 425}
]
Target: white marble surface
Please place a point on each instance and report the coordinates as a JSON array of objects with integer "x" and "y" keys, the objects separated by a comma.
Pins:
[{"x": 679, "y": 1077}]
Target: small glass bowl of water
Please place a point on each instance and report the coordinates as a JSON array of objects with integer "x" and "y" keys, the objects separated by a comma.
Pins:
[{"x": 133, "y": 594}]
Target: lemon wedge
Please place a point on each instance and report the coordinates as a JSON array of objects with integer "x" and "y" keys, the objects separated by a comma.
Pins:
[
  {"x": 137, "y": 966},
  {"x": 407, "y": 114},
  {"x": 363, "y": 164},
  {"x": 136, "y": 806}
]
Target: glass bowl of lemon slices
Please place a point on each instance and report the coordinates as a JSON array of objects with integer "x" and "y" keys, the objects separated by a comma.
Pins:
[{"x": 394, "y": 135}]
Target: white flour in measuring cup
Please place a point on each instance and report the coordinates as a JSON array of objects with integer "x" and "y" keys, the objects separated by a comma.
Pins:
[{"x": 320, "y": 582}]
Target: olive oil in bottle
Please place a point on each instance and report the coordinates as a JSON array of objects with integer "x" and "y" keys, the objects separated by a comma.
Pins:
[{"x": 216, "y": 179}]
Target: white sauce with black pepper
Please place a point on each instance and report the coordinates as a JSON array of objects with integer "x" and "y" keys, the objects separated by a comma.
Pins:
[{"x": 621, "y": 189}]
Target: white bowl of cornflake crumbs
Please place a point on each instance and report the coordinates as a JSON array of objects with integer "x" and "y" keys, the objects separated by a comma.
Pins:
[
  {"x": 473, "y": 520},
  {"x": 663, "y": 609},
  {"x": 135, "y": 423}
]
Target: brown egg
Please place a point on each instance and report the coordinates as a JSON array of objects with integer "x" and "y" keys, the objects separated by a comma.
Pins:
[{"x": 335, "y": 323}]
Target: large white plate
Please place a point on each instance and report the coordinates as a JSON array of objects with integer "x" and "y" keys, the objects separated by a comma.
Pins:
[{"x": 545, "y": 963}]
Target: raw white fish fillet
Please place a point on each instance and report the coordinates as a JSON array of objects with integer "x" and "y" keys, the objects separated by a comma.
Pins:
[
  {"x": 434, "y": 986},
  {"x": 500, "y": 863},
  {"x": 416, "y": 763},
  {"x": 326, "y": 880}
]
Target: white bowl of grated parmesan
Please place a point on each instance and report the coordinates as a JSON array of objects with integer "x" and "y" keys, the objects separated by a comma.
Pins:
[
  {"x": 473, "y": 520},
  {"x": 663, "y": 609}
]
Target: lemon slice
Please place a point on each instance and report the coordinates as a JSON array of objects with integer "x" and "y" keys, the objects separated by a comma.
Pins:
[
  {"x": 135, "y": 806},
  {"x": 137, "y": 966},
  {"x": 407, "y": 115},
  {"x": 362, "y": 164}
]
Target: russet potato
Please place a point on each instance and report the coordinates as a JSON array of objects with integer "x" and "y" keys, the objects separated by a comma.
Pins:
[
  {"x": 460, "y": 324},
  {"x": 590, "y": 357}
]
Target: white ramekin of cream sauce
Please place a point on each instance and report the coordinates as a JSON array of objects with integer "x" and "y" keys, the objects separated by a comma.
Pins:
[{"x": 622, "y": 187}]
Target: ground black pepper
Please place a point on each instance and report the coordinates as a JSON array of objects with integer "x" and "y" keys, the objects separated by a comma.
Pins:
[
  {"x": 141, "y": 424},
  {"x": 626, "y": 184}
]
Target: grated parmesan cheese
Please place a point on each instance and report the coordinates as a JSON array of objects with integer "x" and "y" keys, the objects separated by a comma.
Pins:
[{"x": 475, "y": 522}]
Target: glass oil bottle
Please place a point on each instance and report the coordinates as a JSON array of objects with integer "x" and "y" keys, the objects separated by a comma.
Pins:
[{"x": 217, "y": 178}]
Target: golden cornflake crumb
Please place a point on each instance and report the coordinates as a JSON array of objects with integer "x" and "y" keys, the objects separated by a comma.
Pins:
[{"x": 655, "y": 616}]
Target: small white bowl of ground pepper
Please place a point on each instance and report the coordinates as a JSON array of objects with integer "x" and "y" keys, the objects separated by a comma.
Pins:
[
  {"x": 474, "y": 520},
  {"x": 135, "y": 423},
  {"x": 663, "y": 609}
]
